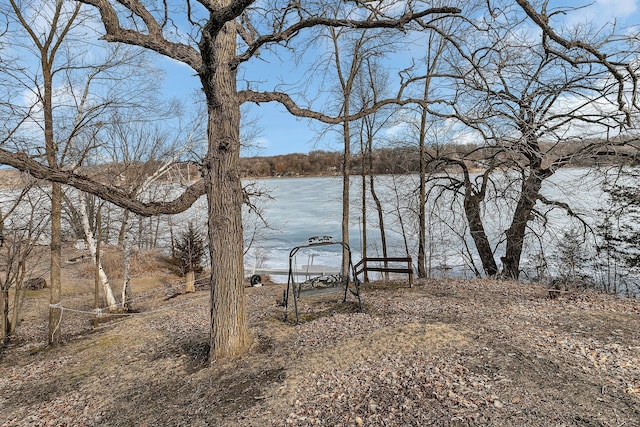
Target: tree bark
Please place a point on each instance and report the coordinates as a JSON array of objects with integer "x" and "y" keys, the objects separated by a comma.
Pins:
[
  {"x": 5, "y": 324},
  {"x": 380, "y": 212},
  {"x": 95, "y": 257},
  {"x": 51, "y": 149},
  {"x": 529, "y": 194},
  {"x": 478, "y": 234},
  {"x": 346, "y": 184},
  {"x": 422, "y": 197},
  {"x": 229, "y": 325},
  {"x": 190, "y": 282},
  {"x": 126, "y": 274},
  {"x": 363, "y": 185},
  {"x": 55, "y": 299},
  {"x": 18, "y": 296},
  {"x": 124, "y": 227}
]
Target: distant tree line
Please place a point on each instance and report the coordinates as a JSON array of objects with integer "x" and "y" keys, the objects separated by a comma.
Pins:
[
  {"x": 400, "y": 159},
  {"x": 393, "y": 160}
]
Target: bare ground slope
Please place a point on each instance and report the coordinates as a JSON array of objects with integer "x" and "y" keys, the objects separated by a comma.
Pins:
[{"x": 444, "y": 353}]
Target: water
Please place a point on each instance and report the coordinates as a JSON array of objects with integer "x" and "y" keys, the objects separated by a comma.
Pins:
[
  {"x": 306, "y": 207},
  {"x": 300, "y": 208}
]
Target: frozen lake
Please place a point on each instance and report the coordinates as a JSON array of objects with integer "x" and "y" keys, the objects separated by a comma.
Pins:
[
  {"x": 299, "y": 208},
  {"x": 304, "y": 207}
]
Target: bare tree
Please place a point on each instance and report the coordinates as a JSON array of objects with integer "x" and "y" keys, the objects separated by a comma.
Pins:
[
  {"x": 215, "y": 58},
  {"x": 208, "y": 43},
  {"x": 45, "y": 42},
  {"x": 528, "y": 101},
  {"x": 94, "y": 250},
  {"x": 618, "y": 237},
  {"x": 25, "y": 222},
  {"x": 436, "y": 46},
  {"x": 350, "y": 52},
  {"x": 66, "y": 95},
  {"x": 371, "y": 85}
]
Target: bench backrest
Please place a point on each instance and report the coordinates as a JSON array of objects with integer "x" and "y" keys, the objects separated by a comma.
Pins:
[{"x": 381, "y": 264}]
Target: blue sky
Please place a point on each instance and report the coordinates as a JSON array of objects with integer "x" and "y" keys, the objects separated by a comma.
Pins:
[{"x": 281, "y": 133}]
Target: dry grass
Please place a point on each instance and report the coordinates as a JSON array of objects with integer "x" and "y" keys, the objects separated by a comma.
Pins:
[
  {"x": 445, "y": 352},
  {"x": 143, "y": 263}
]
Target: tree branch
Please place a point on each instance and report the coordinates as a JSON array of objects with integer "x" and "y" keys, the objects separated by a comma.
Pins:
[
  {"x": 153, "y": 40},
  {"x": 223, "y": 15},
  {"x": 614, "y": 69},
  {"x": 111, "y": 194},
  {"x": 249, "y": 95},
  {"x": 292, "y": 30},
  {"x": 564, "y": 206}
]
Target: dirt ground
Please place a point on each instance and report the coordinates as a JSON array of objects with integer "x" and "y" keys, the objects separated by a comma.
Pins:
[{"x": 443, "y": 353}]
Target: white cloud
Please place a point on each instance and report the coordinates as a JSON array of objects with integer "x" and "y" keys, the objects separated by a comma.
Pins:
[
  {"x": 602, "y": 12},
  {"x": 619, "y": 8},
  {"x": 397, "y": 130}
]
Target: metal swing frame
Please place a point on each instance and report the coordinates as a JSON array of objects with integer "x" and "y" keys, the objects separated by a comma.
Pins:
[{"x": 317, "y": 286}]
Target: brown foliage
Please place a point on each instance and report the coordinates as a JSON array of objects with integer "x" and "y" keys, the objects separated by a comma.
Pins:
[{"x": 446, "y": 352}]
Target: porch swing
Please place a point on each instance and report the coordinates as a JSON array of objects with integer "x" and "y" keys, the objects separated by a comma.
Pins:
[{"x": 325, "y": 283}]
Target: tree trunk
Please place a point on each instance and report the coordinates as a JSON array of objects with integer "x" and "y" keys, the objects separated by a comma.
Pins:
[
  {"x": 403, "y": 229},
  {"x": 1, "y": 229},
  {"x": 381, "y": 226},
  {"x": 229, "y": 325},
  {"x": 422, "y": 197},
  {"x": 171, "y": 237},
  {"x": 515, "y": 234},
  {"x": 346, "y": 183},
  {"x": 126, "y": 273},
  {"x": 96, "y": 294},
  {"x": 190, "y": 282},
  {"x": 124, "y": 227},
  {"x": 422, "y": 202},
  {"x": 18, "y": 300},
  {"x": 363, "y": 246},
  {"x": 55, "y": 299},
  {"x": 140, "y": 233},
  {"x": 5, "y": 324},
  {"x": 479, "y": 236},
  {"x": 54, "y": 336},
  {"x": 95, "y": 256}
]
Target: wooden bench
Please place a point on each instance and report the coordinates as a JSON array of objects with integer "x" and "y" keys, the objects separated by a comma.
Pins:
[{"x": 381, "y": 264}]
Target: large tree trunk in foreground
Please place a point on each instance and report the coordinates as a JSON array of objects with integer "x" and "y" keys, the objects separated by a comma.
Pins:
[{"x": 229, "y": 326}]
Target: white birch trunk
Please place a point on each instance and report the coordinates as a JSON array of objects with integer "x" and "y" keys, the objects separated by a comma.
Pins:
[
  {"x": 91, "y": 243},
  {"x": 126, "y": 283}
]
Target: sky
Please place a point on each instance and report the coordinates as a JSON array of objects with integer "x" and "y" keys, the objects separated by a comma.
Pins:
[
  {"x": 278, "y": 132},
  {"x": 281, "y": 133}
]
